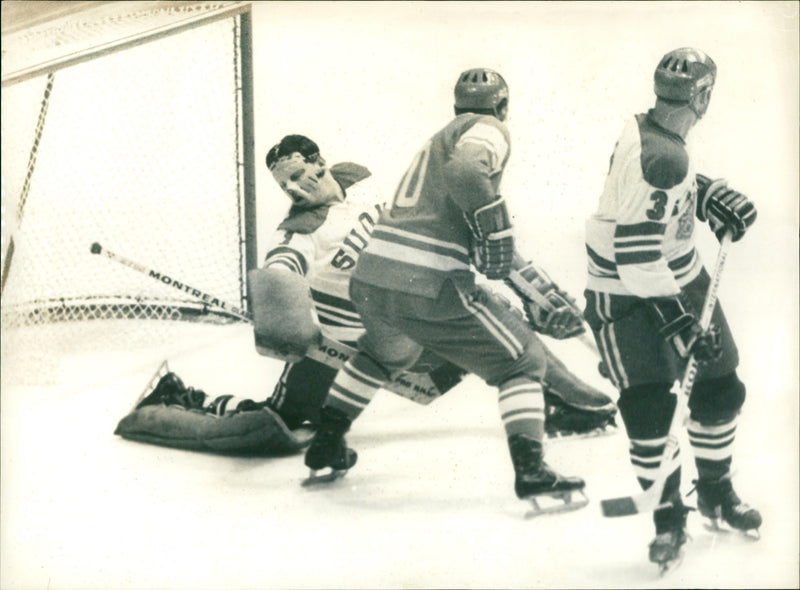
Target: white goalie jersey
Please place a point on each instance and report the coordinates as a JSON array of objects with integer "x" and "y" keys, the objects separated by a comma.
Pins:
[{"x": 323, "y": 244}]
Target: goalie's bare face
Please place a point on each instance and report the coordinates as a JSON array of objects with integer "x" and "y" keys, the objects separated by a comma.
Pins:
[{"x": 307, "y": 181}]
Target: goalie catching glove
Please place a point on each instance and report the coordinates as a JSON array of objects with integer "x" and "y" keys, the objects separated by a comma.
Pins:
[
  {"x": 680, "y": 327},
  {"x": 549, "y": 310},
  {"x": 492, "y": 248},
  {"x": 724, "y": 208}
]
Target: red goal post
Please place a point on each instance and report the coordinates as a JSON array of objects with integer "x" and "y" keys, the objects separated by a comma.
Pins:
[{"x": 129, "y": 124}]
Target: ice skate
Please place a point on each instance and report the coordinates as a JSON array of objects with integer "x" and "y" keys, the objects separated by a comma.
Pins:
[
  {"x": 563, "y": 420},
  {"x": 328, "y": 456},
  {"x": 666, "y": 550},
  {"x": 535, "y": 481},
  {"x": 717, "y": 501},
  {"x": 170, "y": 391}
]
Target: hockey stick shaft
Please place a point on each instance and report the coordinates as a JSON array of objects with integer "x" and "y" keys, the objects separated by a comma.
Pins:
[
  {"x": 26, "y": 186},
  {"x": 164, "y": 279},
  {"x": 416, "y": 387},
  {"x": 650, "y": 499}
]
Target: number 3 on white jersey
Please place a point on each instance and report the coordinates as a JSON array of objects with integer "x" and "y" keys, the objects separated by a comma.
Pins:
[{"x": 410, "y": 187}]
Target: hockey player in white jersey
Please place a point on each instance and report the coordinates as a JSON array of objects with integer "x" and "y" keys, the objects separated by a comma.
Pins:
[
  {"x": 645, "y": 288},
  {"x": 313, "y": 251}
]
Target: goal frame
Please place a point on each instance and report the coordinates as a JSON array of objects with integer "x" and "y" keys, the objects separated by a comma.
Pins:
[{"x": 181, "y": 17}]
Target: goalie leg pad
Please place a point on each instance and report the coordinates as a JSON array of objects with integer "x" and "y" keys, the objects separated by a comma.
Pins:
[
  {"x": 258, "y": 432},
  {"x": 282, "y": 313},
  {"x": 565, "y": 385}
]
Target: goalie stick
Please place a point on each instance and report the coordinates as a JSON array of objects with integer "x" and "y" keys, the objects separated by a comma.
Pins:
[
  {"x": 417, "y": 387},
  {"x": 650, "y": 499},
  {"x": 531, "y": 293}
]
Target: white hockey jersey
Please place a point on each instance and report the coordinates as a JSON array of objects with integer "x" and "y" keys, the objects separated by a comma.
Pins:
[
  {"x": 640, "y": 241},
  {"x": 323, "y": 245}
]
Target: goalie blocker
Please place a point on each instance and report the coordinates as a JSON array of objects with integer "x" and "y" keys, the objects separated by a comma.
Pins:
[{"x": 283, "y": 320}]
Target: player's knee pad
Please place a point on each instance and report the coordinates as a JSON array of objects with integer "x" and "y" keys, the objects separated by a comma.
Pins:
[
  {"x": 716, "y": 401},
  {"x": 647, "y": 409}
]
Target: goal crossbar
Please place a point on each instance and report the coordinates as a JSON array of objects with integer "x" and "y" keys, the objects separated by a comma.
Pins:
[{"x": 74, "y": 38}]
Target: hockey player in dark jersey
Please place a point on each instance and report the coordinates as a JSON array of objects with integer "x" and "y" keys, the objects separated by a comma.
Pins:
[
  {"x": 415, "y": 289},
  {"x": 645, "y": 288},
  {"x": 314, "y": 250}
]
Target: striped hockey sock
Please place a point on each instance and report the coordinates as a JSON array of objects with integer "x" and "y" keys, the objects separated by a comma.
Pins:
[
  {"x": 521, "y": 404},
  {"x": 713, "y": 447},
  {"x": 355, "y": 385},
  {"x": 645, "y": 455}
]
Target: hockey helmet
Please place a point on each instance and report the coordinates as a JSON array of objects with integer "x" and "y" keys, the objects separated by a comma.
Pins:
[
  {"x": 480, "y": 88},
  {"x": 684, "y": 75}
]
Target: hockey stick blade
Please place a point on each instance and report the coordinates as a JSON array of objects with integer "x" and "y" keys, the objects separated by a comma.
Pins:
[
  {"x": 630, "y": 505},
  {"x": 650, "y": 499}
]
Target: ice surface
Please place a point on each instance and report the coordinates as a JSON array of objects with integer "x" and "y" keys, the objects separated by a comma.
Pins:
[{"x": 430, "y": 502}]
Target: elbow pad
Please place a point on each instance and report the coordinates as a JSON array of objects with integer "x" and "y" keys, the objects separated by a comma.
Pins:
[{"x": 492, "y": 248}]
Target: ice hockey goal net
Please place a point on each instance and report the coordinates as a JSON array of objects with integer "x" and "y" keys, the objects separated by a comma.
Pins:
[{"x": 128, "y": 124}]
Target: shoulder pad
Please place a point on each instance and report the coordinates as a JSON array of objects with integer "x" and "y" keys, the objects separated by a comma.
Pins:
[
  {"x": 664, "y": 160},
  {"x": 492, "y": 122},
  {"x": 304, "y": 221},
  {"x": 348, "y": 173}
]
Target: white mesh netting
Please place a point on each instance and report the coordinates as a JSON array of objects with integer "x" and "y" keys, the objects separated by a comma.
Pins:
[{"x": 138, "y": 150}]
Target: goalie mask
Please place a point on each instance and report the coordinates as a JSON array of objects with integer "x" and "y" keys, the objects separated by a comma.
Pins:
[
  {"x": 300, "y": 171},
  {"x": 686, "y": 75}
]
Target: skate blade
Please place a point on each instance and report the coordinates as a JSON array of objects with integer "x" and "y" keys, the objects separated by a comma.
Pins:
[
  {"x": 162, "y": 370},
  {"x": 669, "y": 565},
  {"x": 596, "y": 433},
  {"x": 319, "y": 477},
  {"x": 718, "y": 526},
  {"x": 564, "y": 502},
  {"x": 666, "y": 567}
]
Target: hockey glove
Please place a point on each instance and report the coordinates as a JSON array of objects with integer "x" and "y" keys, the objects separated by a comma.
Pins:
[
  {"x": 679, "y": 327},
  {"x": 492, "y": 248},
  {"x": 549, "y": 310},
  {"x": 724, "y": 208},
  {"x": 283, "y": 324}
]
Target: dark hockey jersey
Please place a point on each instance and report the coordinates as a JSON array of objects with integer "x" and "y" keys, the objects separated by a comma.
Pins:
[{"x": 424, "y": 238}]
